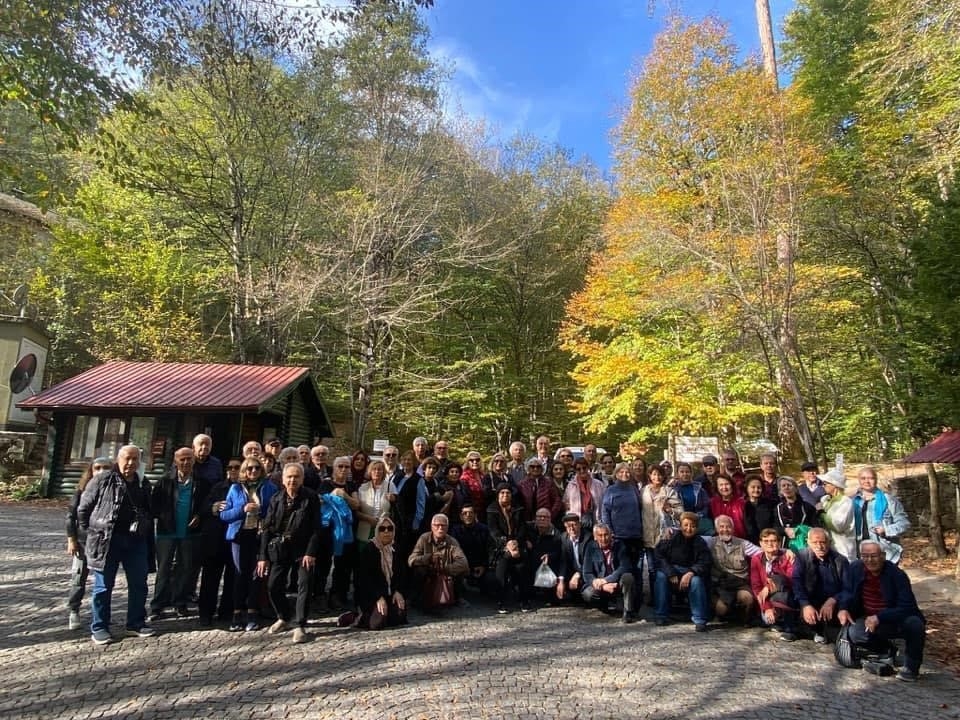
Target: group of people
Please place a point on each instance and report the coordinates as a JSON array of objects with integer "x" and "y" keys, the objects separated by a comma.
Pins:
[{"x": 421, "y": 529}]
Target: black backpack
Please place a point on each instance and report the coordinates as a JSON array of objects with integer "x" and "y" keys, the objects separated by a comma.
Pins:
[{"x": 846, "y": 653}]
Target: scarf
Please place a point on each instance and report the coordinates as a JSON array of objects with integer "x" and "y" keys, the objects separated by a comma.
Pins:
[
  {"x": 586, "y": 497},
  {"x": 877, "y": 510},
  {"x": 386, "y": 559}
]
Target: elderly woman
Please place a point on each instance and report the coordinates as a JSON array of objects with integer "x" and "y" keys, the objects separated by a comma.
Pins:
[
  {"x": 661, "y": 508},
  {"x": 771, "y": 579},
  {"x": 730, "y": 572},
  {"x": 497, "y": 475},
  {"x": 726, "y": 502},
  {"x": 758, "y": 512},
  {"x": 838, "y": 515},
  {"x": 471, "y": 478},
  {"x": 607, "y": 465},
  {"x": 375, "y": 498},
  {"x": 584, "y": 494},
  {"x": 245, "y": 506},
  {"x": 505, "y": 523},
  {"x": 378, "y": 580},
  {"x": 792, "y": 512}
]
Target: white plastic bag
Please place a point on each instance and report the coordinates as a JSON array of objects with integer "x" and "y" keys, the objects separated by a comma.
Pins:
[{"x": 545, "y": 577}]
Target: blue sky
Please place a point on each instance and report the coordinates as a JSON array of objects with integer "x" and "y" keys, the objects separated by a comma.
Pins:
[{"x": 559, "y": 69}]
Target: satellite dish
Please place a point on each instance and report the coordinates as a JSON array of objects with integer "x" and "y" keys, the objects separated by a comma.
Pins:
[{"x": 23, "y": 373}]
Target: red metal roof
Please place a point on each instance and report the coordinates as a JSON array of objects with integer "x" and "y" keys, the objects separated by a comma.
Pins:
[
  {"x": 945, "y": 448},
  {"x": 169, "y": 386}
]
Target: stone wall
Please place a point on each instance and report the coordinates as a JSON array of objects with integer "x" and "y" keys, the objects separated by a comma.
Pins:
[{"x": 914, "y": 492}]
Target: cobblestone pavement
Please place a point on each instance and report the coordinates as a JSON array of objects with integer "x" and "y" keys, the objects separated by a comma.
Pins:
[{"x": 554, "y": 663}]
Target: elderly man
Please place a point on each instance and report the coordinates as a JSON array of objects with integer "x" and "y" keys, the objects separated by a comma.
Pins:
[
  {"x": 542, "y": 454},
  {"x": 477, "y": 544},
  {"x": 114, "y": 512},
  {"x": 421, "y": 448},
  {"x": 441, "y": 451},
  {"x": 732, "y": 468},
  {"x": 289, "y": 539},
  {"x": 207, "y": 468},
  {"x": 878, "y": 601},
  {"x": 315, "y": 470},
  {"x": 573, "y": 547},
  {"x": 819, "y": 573},
  {"x": 391, "y": 459},
  {"x": 879, "y": 517},
  {"x": 516, "y": 468},
  {"x": 176, "y": 503},
  {"x": 730, "y": 572},
  {"x": 252, "y": 448},
  {"x": 684, "y": 565},
  {"x": 543, "y": 545},
  {"x": 590, "y": 455},
  {"x": 608, "y": 573},
  {"x": 810, "y": 487},
  {"x": 437, "y": 561}
]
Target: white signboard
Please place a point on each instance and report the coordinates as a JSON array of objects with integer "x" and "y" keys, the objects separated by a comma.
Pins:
[
  {"x": 380, "y": 445},
  {"x": 692, "y": 449}
]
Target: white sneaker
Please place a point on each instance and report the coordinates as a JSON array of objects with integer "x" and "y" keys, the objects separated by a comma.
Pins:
[
  {"x": 819, "y": 639},
  {"x": 73, "y": 622},
  {"x": 278, "y": 627},
  {"x": 299, "y": 635}
]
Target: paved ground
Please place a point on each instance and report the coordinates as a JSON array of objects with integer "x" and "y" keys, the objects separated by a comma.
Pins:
[{"x": 554, "y": 663}]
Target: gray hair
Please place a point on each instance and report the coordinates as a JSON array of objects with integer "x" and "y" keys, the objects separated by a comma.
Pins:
[
  {"x": 440, "y": 516},
  {"x": 288, "y": 455},
  {"x": 202, "y": 436},
  {"x": 127, "y": 449}
]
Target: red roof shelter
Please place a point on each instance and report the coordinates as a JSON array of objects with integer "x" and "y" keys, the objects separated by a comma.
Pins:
[
  {"x": 161, "y": 406},
  {"x": 945, "y": 448}
]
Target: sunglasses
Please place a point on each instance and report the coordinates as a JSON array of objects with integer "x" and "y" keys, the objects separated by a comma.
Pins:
[
  {"x": 473, "y": 460},
  {"x": 386, "y": 528},
  {"x": 253, "y": 468},
  {"x": 233, "y": 467}
]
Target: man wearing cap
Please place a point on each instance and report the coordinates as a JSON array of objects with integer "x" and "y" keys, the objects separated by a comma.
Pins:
[
  {"x": 810, "y": 488},
  {"x": 573, "y": 546},
  {"x": 819, "y": 572},
  {"x": 708, "y": 475},
  {"x": 837, "y": 514}
]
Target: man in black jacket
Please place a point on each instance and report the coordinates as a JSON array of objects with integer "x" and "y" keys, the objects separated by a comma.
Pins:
[
  {"x": 114, "y": 512},
  {"x": 573, "y": 546},
  {"x": 819, "y": 573},
  {"x": 176, "y": 503},
  {"x": 683, "y": 566},
  {"x": 290, "y": 539}
]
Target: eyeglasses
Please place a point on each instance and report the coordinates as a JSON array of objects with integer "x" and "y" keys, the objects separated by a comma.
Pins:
[
  {"x": 473, "y": 460},
  {"x": 233, "y": 467},
  {"x": 253, "y": 468},
  {"x": 871, "y": 556},
  {"x": 439, "y": 524},
  {"x": 389, "y": 454},
  {"x": 385, "y": 528}
]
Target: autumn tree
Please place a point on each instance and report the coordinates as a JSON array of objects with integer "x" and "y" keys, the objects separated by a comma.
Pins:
[{"x": 681, "y": 324}]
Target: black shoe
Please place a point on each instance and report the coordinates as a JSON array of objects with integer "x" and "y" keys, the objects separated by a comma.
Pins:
[
  {"x": 526, "y": 607},
  {"x": 502, "y": 609},
  {"x": 700, "y": 627},
  {"x": 206, "y": 621},
  {"x": 628, "y": 618},
  {"x": 661, "y": 622},
  {"x": 182, "y": 611}
]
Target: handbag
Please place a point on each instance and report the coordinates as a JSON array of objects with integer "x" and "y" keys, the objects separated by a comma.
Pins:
[
  {"x": 278, "y": 549},
  {"x": 439, "y": 591},
  {"x": 844, "y": 651},
  {"x": 545, "y": 577}
]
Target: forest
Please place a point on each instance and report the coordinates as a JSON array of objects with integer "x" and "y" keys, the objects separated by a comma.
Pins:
[{"x": 773, "y": 254}]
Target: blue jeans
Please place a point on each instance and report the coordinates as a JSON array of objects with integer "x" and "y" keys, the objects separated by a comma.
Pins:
[
  {"x": 698, "y": 593},
  {"x": 131, "y": 552}
]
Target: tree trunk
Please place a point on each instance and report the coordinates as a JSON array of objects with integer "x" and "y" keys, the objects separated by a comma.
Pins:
[
  {"x": 767, "y": 48},
  {"x": 936, "y": 528}
]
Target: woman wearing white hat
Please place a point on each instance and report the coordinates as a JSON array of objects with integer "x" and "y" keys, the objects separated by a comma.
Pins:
[{"x": 838, "y": 516}]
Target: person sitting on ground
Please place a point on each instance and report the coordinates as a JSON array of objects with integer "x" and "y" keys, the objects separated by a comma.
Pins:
[
  {"x": 543, "y": 545},
  {"x": 771, "y": 579},
  {"x": 477, "y": 544},
  {"x": 608, "y": 573},
  {"x": 730, "y": 571},
  {"x": 573, "y": 547},
  {"x": 819, "y": 573},
  {"x": 683, "y": 566},
  {"x": 437, "y": 561},
  {"x": 379, "y": 579},
  {"x": 878, "y": 601},
  {"x": 505, "y": 523},
  {"x": 838, "y": 515}
]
